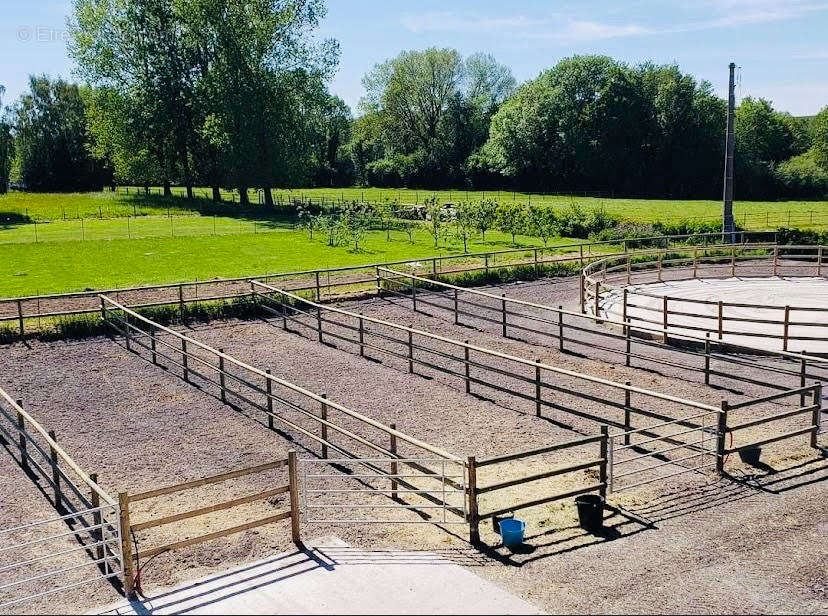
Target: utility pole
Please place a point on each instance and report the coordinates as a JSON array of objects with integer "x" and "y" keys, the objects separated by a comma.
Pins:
[{"x": 728, "y": 227}]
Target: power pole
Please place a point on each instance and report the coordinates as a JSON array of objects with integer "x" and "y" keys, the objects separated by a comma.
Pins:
[{"x": 728, "y": 227}]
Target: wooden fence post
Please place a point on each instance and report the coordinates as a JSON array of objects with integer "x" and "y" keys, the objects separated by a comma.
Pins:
[
  {"x": 21, "y": 438},
  {"x": 53, "y": 456},
  {"x": 486, "y": 263},
  {"x": 666, "y": 338},
  {"x": 660, "y": 257},
  {"x": 560, "y": 328},
  {"x": 775, "y": 259},
  {"x": 627, "y": 412},
  {"x": 324, "y": 427},
  {"x": 624, "y": 301},
  {"x": 721, "y": 319},
  {"x": 707, "y": 358},
  {"x": 222, "y": 382},
  {"x": 127, "y": 333},
  {"x": 456, "y": 309},
  {"x": 720, "y": 438},
  {"x": 181, "y": 301},
  {"x": 184, "y": 360},
  {"x": 581, "y": 255},
  {"x": 153, "y": 350},
  {"x": 503, "y": 311},
  {"x": 629, "y": 269},
  {"x": 97, "y": 518},
  {"x": 394, "y": 468},
  {"x": 20, "y": 319},
  {"x": 628, "y": 343},
  {"x": 695, "y": 263},
  {"x": 269, "y": 389},
  {"x": 604, "y": 455},
  {"x": 319, "y": 322},
  {"x": 819, "y": 261},
  {"x": 414, "y": 293},
  {"x": 597, "y": 299},
  {"x": 733, "y": 262},
  {"x": 537, "y": 388},
  {"x": 410, "y": 351},
  {"x": 293, "y": 473},
  {"x": 126, "y": 546},
  {"x": 817, "y": 415},
  {"x": 802, "y": 368},
  {"x": 474, "y": 521},
  {"x": 786, "y": 327},
  {"x": 379, "y": 286},
  {"x": 468, "y": 368},
  {"x": 318, "y": 289},
  {"x": 582, "y": 292},
  {"x": 537, "y": 271},
  {"x": 361, "y": 336}
]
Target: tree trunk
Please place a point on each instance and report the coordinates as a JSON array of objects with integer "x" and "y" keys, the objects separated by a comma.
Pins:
[
  {"x": 189, "y": 191},
  {"x": 146, "y": 189},
  {"x": 167, "y": 189},
  {"x": 243, "y": 198},
  {"x": 268, "y": 196},
  {"x": 216, "y": 194}
]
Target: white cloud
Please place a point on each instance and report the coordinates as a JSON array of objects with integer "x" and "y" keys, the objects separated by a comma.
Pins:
[
  {"x": 452, "y": 22},
  {"x": 717, "y": 14}
]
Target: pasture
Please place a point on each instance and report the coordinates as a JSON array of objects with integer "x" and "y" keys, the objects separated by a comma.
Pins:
[
  {"x": 68, "y": 242},
  {"x": 56, "y": 206}
]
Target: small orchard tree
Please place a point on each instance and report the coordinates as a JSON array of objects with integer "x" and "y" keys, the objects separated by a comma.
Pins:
[
  {"x": 541, "y": 222},
  {"x": 385, "y": 214},
  {"x": 434, "y": 211},
  {"x": 464, "y": 223},
  {"x": 408, "y": 227},
  {"x": 485, "y": 216},
  {"x": 511, "y": 219},
  {"x": 307, "y": 220},
  {"x": 354, "y": 223},
  {"x": 332, "y": 228}
]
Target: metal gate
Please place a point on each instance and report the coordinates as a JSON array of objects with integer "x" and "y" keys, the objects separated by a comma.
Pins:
[
  {"x": 383, "y": 491},
  {"x": 662, "y": 450}
]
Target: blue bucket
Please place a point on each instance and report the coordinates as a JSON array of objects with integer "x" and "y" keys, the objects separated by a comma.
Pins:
[{"x": 512, "y": 532}]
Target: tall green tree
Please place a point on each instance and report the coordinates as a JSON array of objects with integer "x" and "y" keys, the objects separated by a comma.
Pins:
[
  {"x": 819, "y": 136},
  {"x": 591, "y": 123},
  {"x": 431, "y": 111},
  {"x": 51, "y": 138},
  {"x": 763, "y": 140},
  {"x": 6, "y": 146}
]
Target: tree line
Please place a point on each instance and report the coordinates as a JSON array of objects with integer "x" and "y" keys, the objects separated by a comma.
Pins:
[{"x": 234, "y": 95}]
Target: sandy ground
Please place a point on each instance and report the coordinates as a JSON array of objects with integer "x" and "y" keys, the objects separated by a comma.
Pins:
[
  {"x": 753, "y": 544},
  {"x": 799, "y": 293}
]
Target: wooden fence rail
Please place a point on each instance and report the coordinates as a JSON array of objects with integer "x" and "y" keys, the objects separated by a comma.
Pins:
[
  {"x": 129, "y": 527},
  {"x": 570, "y": 330},
  {"x": 611, "y": 275},
  {"x": 320, "y": 281},
  {"x": 87, "y": 513}
]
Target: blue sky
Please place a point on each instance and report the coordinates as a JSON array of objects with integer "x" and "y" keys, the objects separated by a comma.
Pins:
[{"x": 781, "y": 45}]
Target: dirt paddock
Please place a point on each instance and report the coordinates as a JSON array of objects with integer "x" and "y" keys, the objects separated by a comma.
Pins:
[{"x": 753, "y": 541}]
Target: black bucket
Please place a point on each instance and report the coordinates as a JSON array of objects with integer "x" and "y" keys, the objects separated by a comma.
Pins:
[
  {"x": 750, "y": 455},
  {"x": 590, "y": 512}
]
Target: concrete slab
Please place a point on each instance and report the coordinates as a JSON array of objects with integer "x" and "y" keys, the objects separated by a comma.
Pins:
[{"x": 331, "y": 577}]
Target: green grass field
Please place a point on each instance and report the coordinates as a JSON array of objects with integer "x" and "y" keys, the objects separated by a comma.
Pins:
[
  {"x": 129, "y": 239},
  {"x": 753, "y": 214},
  {"x": 51, "y": 267}
]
